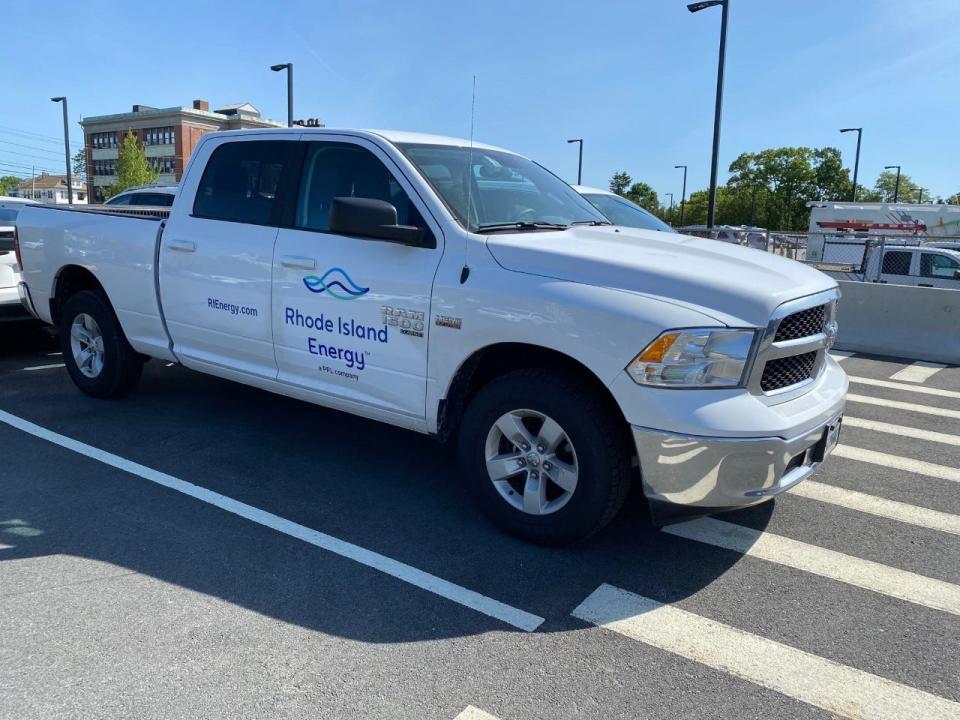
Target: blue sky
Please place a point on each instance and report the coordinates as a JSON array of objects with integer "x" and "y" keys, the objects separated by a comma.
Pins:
[{"x": 635, "y": 79}]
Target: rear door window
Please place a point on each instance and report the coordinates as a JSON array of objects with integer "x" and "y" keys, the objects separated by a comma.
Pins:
[
  {"x": 896, "y": 262},
  {"x": 240, "y": 181}
]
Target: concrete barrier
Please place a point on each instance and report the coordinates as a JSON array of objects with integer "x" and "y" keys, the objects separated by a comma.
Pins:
[{"x": 900, "y": 321}]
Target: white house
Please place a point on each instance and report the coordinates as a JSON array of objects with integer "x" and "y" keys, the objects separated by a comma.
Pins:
[{"x": 51, "y": 189}]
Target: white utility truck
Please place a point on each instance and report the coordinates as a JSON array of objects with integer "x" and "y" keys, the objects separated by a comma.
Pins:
[{"x": 463, "y": 291}]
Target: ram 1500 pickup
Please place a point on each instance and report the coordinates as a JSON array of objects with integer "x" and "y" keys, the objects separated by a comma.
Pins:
[{"x": 460, "y": 290}]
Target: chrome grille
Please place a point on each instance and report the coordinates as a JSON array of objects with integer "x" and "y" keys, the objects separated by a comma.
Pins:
[
  {"x": 791, "y": 352},
  {"x": 801, "y": 324},
  {"x": 786, "y": 371}
]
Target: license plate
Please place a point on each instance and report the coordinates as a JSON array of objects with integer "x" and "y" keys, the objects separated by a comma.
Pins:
[{"x": 831, "y": 436}]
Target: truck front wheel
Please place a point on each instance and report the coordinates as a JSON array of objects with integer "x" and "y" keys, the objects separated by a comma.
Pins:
[
  {"x": 545, "y": 458},
  {"x": 97, "y": 355}
]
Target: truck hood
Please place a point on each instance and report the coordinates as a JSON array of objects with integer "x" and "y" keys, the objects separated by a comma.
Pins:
[{"x": 735, "y": 285}]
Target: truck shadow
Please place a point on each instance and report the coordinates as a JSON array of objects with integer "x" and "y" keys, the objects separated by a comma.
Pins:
[{"x": 387, "y": 490}]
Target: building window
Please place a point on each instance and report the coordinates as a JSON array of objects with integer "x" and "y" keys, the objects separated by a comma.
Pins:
[
  {"x": 103, "y": 140},
  {"x": 158, "y": 136}
]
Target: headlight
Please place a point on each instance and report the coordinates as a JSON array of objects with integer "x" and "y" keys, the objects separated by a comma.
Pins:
[{"x": 694, "y": 357}]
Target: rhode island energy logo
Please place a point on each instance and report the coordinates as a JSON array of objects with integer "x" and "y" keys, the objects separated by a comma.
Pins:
[{"x": 336, "y": 283}]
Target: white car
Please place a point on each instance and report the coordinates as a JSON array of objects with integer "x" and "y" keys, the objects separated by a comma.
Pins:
[
  {"x": 461, "y": 291},
  {"x": 10, "y": 306},
  {"x": 620, "y": 211},
  {"x": 150, "y": 195}
]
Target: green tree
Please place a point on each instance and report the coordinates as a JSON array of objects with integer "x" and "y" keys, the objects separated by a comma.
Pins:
[
  {"x": 8, "y": 183},
  {"x": 80, "y": 164},
  {"x": 132, "y": 167},
  {"x": 952, "y": 200},
  {"x": 887, "y": 183},
  {"x": 620, "y": 182},
  {"x": 644, "y": 196}
]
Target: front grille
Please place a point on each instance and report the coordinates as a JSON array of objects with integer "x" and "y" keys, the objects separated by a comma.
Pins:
[
  {"x": 787, "y": 371},
  {"x": 801, "y": 324}
]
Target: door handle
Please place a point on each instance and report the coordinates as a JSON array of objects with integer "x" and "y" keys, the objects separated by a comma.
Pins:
[
  {"x": 301, "y": 263},
  {"x": 182, "y": 245}
]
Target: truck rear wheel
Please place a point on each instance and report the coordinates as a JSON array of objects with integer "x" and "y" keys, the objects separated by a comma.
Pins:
[
  {"x": 97, "y": 355},
  {"x": 546, "y": 459}
]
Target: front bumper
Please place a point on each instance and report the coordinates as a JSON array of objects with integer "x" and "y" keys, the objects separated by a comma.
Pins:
[{"x": 687, "y": 475}]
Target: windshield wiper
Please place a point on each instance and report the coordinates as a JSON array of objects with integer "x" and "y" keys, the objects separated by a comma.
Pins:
[
  {"x": 520, "y": 227},
  {"x": 592, "y": 223}
]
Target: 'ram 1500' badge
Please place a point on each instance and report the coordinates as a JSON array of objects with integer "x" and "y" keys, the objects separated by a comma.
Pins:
[{"x": 409, "y": 322}]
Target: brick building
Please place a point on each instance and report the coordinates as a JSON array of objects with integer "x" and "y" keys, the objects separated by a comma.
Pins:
[{"x": 167, "y": 134}]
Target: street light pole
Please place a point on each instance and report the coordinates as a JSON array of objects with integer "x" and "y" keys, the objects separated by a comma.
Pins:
[
  {"x": 289, "y": 68},
  {"x": 66, "y": 146},
  {"x": 580, "y": 163},
  {"x": 683, "y": 196},
  {"x": 896, "y": 187},
  {"x": 856, "y": 163},
  {"x": 670, "y": 212},
  {"x": 696, "y": 7},
  {"x": 920, "y": 197}
]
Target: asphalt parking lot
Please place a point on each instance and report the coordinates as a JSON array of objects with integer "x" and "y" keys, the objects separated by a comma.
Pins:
[{"x": 204, "y": 549}]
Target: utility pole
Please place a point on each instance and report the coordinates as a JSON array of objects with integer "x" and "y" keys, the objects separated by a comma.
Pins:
[
  {"x": 66, "y": 146},
  {"x": 683, "y": 195},
  {"x": 580, "y": 163},
  {"x": 289, "y": 68},
  {"x": 696, "y": 7},
  {"x": 896, "y": 187},
  {"x": 856, "y": 163}
]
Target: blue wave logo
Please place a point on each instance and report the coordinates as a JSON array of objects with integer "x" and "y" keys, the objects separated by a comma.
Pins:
[{"x": 336, "y": 283}]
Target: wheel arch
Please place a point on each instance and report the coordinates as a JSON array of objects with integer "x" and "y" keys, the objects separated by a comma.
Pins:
[
  {"x": 488, "y": 363},
  {"x": 69, "y": 280}
]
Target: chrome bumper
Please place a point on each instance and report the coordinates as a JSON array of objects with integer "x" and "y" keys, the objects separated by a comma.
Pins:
[{"x": 692, "y": 475}]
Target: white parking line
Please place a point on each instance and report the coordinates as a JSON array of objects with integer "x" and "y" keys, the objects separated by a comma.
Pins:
[
  {"x": 901, "y": 386},
  {"x": 473, "y": 713},
  {"x": 840, "y": 355},
  {"x": 918, "y": 372},
  {"x": 901, "y": 430},
  {"x": 897, "y": 405},
  {"x": 407, "y": 573},
  {"x": 839, "y": 689},
  {"x": 44, "y": 367},
  {"x": 865, "y": 574},
  {"x": 881, "y": 507},
  {"x": 921, "y": 467}
]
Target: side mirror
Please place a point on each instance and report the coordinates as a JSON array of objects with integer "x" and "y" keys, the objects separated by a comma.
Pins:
[{"x": 374, "y": 219}]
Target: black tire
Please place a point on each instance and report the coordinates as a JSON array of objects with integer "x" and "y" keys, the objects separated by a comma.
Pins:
[
  {"x": 122, "y": 366},
  {"x": 593, "y": 427}
]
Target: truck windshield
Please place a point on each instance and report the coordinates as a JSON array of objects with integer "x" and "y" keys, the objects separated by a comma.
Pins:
[
  {"x": 504, "y": 192},
  {"x": 623, "y": 212}
]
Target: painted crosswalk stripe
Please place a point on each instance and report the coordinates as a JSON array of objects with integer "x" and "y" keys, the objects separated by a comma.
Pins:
[
  {"x": 407, "y": 573},
  {"x": 897, "y": 462},
  {"x": 897, "y": 405},
  {"x": 881, "y": 507},
  {"x": 839, "y": 689},
  {"x": 901, "y": 430},
  {"x": 918, "y": 372},
  {"x": 44, "y": 367},
  {"x": 920, "y": 389},
  {"x": 473, "y": 713},
  {"x": 865, "y": 574},
  {"x": 840, "y": 355}
]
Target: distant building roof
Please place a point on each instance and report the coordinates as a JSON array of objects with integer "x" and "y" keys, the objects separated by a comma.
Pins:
[
  {"x": 45, "y": 182},
  {"x": 237, "y": 107}
]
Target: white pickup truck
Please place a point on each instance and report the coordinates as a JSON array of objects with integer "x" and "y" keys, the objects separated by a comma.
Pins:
[{"x": 463, "y": 291}]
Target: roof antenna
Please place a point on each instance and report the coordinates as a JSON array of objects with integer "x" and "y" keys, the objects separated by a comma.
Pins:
[{"x": 465, "y": 273}]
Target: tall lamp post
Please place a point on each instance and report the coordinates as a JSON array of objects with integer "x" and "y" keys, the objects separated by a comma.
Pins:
[
  {"x": 66, "y": 146},
  {"x": 580, "y": 162},
  {"x": 289, "y": 68},
  {"x": 856, "y": 163},
  {"x": 670, "y": 212},
  {"x": 920, "y": 196},
  {"x": 896, "y": 187},
  {"x": 697, "y": 7},
  {"x": 683, "y": 195}
]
